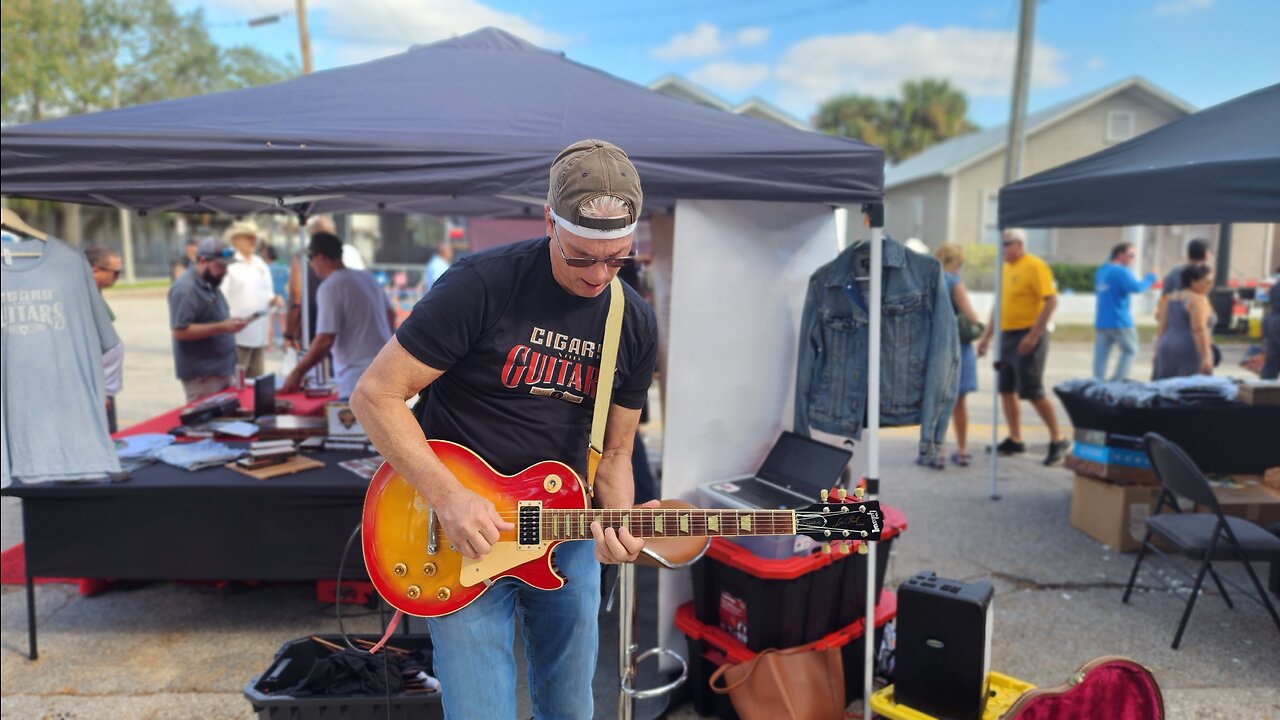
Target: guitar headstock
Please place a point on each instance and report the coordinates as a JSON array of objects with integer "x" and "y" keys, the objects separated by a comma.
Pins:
[{"x": 841, "y": 519}]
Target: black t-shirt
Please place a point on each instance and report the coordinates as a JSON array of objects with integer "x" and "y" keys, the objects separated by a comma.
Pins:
[{"x": 521, "y": 357}]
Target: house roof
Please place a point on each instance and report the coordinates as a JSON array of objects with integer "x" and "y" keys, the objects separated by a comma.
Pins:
[
  {"x": 685, "y": 89},
  {"x": 758, "y": 107},
  {"x": 947, "y": 158},
  {"x": 675, "y": 85}
]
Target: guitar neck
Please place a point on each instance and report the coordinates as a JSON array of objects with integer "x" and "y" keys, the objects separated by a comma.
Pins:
[{"x": 667, "y": 522}]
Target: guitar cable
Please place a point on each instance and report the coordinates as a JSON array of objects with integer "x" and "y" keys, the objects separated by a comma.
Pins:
[{"x": 342, "y": 628}]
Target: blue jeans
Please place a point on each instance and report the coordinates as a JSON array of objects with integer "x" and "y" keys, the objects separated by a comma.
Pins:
[
  {"x": 1126, "y": 339},
  {"x": 474, "y": 657}
]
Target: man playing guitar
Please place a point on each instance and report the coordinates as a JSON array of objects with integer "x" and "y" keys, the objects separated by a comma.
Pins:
[{"x": 508, "y": 344}]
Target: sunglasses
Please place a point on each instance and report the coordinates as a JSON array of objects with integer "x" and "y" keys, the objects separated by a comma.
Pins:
[
  {"x": 114, "y": 273},
  {"x": 586, "y": 262}
]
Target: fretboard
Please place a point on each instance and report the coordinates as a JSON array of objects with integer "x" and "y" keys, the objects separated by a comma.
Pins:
[{"x": 663, "y": 522}]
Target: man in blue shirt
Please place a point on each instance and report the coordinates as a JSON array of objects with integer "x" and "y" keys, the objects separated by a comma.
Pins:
[
  {"x": 439, "y": 262},
  {"x": 1113, "y": 284}
]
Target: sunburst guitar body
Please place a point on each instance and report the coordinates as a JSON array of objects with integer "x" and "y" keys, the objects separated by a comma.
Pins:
[{"x": 415, "y": 569}]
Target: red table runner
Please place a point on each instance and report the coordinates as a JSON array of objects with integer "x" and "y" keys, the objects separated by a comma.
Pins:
[{"x": 163, "y": 423}]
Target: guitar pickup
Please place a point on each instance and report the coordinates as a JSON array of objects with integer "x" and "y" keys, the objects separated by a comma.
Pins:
[{"x": 529, "y": 525}]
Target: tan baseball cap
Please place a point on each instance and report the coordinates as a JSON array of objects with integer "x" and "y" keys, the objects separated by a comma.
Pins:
[{"x": 588, "y": 169}]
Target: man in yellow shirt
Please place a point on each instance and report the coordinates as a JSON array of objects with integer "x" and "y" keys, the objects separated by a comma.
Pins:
[{"x": 1028, "y": 298}]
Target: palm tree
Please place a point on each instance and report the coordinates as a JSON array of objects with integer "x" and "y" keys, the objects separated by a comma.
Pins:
[{"x": 928, "y": 112}]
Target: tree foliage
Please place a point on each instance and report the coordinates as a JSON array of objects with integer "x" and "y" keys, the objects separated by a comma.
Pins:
[
  {"x": 62, "y": 57},
  {"x": 927, "y": 112}
]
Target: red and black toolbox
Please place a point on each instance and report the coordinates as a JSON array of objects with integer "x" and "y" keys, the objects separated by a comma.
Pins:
[
  {"x": 710, "y": 647},
  {"x": 764, "y": 603}
]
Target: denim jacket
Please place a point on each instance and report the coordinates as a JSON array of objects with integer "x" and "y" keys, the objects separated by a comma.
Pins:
[{"x": 919, "y": 348}]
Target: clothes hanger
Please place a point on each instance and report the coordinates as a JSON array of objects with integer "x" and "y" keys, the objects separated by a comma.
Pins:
[{"x": 12, "y": 222}]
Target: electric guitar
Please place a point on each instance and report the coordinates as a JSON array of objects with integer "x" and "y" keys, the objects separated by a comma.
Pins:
[{"x": 416, "y": 570}]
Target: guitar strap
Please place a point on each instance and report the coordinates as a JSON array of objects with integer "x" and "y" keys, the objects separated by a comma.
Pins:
[{"x": 604, "y": 388}]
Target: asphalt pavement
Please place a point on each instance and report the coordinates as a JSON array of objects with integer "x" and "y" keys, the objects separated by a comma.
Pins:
[{"x": 170, "y": 651}]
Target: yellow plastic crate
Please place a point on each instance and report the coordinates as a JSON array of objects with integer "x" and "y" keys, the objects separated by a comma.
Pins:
[{"x": 1004, "y": 690}]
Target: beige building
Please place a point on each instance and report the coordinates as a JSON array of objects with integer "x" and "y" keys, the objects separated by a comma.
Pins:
[{"x": 949, "y": 191}]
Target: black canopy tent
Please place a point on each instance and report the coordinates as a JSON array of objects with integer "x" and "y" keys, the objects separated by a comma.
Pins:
[
  {"x": 1219, "y": 165},
  {"x": 464, "y": 126}
]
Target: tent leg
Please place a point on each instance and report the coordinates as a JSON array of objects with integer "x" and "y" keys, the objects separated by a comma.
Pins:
[
  {"x": 875, "y": 217},
  {"x": 994, "y": 350}
]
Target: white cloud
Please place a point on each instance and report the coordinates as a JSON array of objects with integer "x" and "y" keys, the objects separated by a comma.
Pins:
[
  {"x": 706, "y": 40},
  {"x": 752, "y": 36},
  {"x": 363, "y": 31},
  {"x": 703, "y": 41},
  {"x": 731, "y": 76},
  {"x": 1095, "y": 63},
  {"x": 1182, "y": 7},
  {"x": 978, "y": 62}
]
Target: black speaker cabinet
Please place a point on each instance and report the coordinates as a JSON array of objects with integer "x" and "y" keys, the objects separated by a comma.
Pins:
[{"x": 944, "y": 646}]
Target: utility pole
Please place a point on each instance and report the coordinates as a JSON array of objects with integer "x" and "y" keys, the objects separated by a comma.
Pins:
[
  {"x": 1021, "y": 78},
  {"x": 1012, "y": 170},
  {"x": 304, "y": 40}
]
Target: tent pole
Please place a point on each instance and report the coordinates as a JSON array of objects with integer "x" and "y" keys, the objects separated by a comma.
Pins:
[
  {"x": 996, "y": 333},
  {"x": 875, "y": 218},
  {"x": 304, "y": 332}
]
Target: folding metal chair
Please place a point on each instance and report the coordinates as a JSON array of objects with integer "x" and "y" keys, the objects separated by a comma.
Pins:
[{"x": 1203, "y": 536}]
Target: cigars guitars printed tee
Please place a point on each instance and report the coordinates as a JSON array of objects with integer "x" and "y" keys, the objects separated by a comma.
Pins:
[
  {"x": 521, "y": 357},
  {"x": 54, "y": 328}
]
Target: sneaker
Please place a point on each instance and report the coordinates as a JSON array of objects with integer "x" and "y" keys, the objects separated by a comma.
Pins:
[
  {"x": 1009, "y": 446},
  {"x": 1057, "y": 450},
  {"x": 961, "y": 459}
]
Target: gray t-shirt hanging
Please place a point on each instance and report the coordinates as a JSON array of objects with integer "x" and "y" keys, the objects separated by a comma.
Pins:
[{"x": 54, "y": 328}]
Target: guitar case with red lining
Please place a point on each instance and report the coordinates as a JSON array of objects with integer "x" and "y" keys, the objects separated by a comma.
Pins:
[{"x": 1107, "y": 688}]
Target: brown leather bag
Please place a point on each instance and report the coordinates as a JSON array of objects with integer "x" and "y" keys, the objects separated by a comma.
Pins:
[{"x": 792, "y": 684}]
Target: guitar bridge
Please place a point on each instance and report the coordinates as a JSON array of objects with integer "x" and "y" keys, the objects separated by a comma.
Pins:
[{"x": 529, "y": 525}]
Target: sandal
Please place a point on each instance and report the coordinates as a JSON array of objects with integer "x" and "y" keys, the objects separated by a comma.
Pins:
[
  {"x": 937, "y": 463},
  {"x": 961, "y": 459}
]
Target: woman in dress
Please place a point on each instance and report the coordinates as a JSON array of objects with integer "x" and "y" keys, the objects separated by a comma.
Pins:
[
  {"x": 1183, "y": 345},
  {"x": 951, "y": 256}
]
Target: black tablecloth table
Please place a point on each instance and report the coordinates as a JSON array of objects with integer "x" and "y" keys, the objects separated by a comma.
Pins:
[
  {"x": 215, "y": 524},
  {"x": 1227, "y": 438}
]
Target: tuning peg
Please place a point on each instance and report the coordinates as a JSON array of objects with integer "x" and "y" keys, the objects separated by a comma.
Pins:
[
  {"x": 823, "y": 495},
  {"x": 863, "y": 548},
  {"x": 859, "y": 492},
  {"x": 826, "y": 548},
  {"x": 844, "y": 548},
  {"x": 842, "y": 494}
]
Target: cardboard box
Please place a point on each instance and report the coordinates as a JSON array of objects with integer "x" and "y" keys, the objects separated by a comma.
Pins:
[
  {"x": 1102, "y": 437},
  {"x": 1109, "y": 455},
  {"x": 1260, "y": 393},
  {"x": 1252, "y": 501},
  {"x": 1114, "y": 515},
  {"x": 1118, "y": 474}
]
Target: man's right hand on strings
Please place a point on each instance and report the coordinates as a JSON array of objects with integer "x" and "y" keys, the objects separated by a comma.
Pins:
[{"x": 471, "y": 522}]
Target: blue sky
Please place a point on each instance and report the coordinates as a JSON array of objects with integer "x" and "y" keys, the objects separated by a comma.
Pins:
[{"x": 796, "y": 53}]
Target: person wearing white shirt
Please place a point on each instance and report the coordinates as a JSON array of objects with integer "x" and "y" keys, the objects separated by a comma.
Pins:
[{"x": 249, "y": 293}]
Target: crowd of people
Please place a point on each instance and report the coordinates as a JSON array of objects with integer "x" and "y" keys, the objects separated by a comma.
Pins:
[
  {"x": 231, "y": 296},
  {"x": 1183, "y": 344}
]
